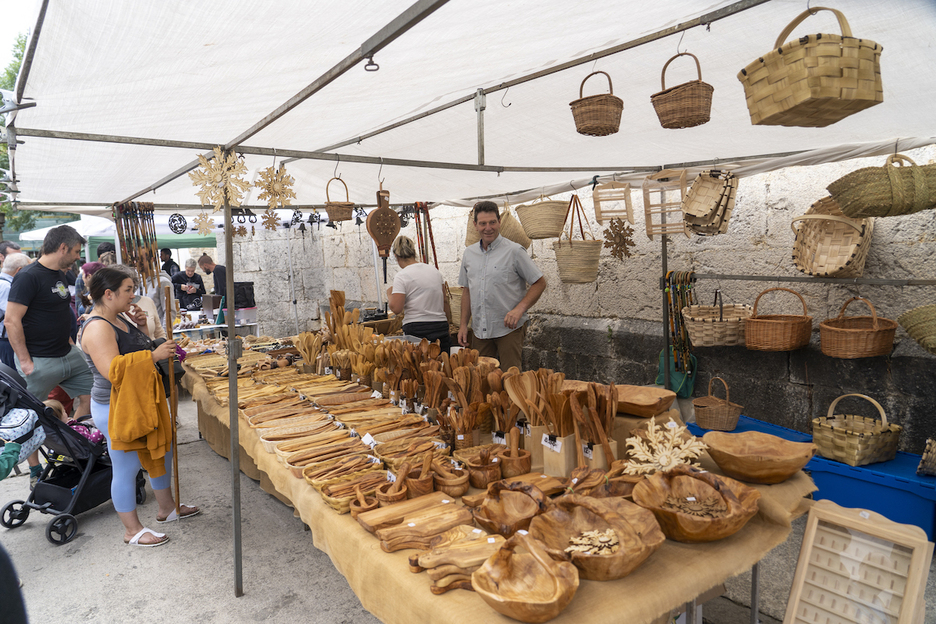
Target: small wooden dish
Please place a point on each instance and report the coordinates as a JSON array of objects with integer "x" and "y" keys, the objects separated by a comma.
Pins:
[
  {"x": 416, "y": 486},
  {"x": 385, "y": 498},
  {"x": 637, "y": 530},
  {"x": 509, "y": 507},
  {"x": 685, "y": 483},
  {"x": 758, "y": 457},
  {"x": 356, "y": 507},
  {"x": 527, "y": 587},
  {"x": 453, "y": 487}
]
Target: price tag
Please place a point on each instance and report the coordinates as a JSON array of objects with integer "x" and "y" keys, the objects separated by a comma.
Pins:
[
  {"x": 391, "y": 477},
  {"x": 527, "y": 431},
  {"x": 456, "y": 465},
  {"x": 587, "y": 450},
  {"x": 491, "y": 540},
  {"x": 376, "y": 394},
  {"x": 393, "y": 398},
  {"x": 451, "y": 396},
  {"x": 328, "y": 370},
  {"x": 373, "y": 460},
  {"x": 522, "y": 532},
  {"x": 499, "y": 438},
  {"x": 339, "y": 425},
  {"x": 494, "y": 461},
  {"x": 369, "y": 440},
  {"x": 440, "y": 445},
  {"x": 354, "y": 433},
  {"x": 461, "y": 437},
  {"x": 419, "y": 408},
  {"x": 404, "y": 407},
  {"x": 476, "y": 531},
  {"x": 411, "y": 524},
  {"x": 425, "y": 418},
  {"x": 553, "y": 444},
  {"x": 446, "y": 501},
  {"x": 691, "y": 499},
  {"x": 671, "y": 425},
  {"x": 864, "y": 514},
  {"x": 574, "y": 480}
]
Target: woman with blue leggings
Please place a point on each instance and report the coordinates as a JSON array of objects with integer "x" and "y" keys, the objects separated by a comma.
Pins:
[{"x": 106, "y": 335}]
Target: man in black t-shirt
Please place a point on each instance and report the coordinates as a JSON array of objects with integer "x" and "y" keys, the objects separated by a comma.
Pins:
[
  {"x": 168, "y": 264},
  {"x": 217, "y": 272},
  {"x": 189, "y": 287}
]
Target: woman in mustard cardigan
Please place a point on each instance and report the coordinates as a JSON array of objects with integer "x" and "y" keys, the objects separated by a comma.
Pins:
[{"x": 138, "y": 429}]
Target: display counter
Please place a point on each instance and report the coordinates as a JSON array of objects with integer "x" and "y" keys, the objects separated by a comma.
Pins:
[{"x": 674, "y": 575}]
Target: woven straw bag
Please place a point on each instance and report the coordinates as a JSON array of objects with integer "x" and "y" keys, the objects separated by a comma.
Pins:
[
  {"x": 928, "y": 461},
  {"x": 777, "y": 332},
  {"x": 850, "y": 337},
  {"x": 920, "y": 323},
  {"x": 597, "y": 115},
  {"x": 510, "y": 228},
  {"x": 856, "y": 440},
  {"x": 900, "y": 187},
  {"x": 716, "y": 325},
  {"x": 544, "y": 218},
  {"x": 714, "y": 413},
  {"x": 813, "y": 81},
  {"x": 829, "y": 244},
  {"x": 577, "y": 260},
  {"x": 338, "y": 211},
  {"x": 685, "y": 105}
]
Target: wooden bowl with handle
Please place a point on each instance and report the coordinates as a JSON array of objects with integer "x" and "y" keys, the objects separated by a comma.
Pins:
[{"x": 509, "y": 507}]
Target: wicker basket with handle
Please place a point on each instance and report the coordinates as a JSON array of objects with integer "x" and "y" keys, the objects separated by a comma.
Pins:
[
  {"x": 543, "y": 218},
  {"x": 597, "y": 115},
  {"x": 685, "y": 105},
  {"x": 900, "y": 187},
  {"x": 813, "y": 81},
  {"x": 850, "y": 337},
  {"x": 338, "y": 211},
  {"x": 856, "y": 440},
  {"x": 714, "y": 413},
  {"x": 777, "y": 332},
  {"x": 829, "y": 244},
  {"x": 716, "y": 325}
]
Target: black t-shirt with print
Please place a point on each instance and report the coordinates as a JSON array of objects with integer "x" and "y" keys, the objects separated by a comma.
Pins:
[{"x": 48, "y": 321}]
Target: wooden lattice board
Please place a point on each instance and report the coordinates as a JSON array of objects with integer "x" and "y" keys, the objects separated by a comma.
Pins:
[
  {"x": 613, "y": 200},
  {"x": 857, "y": 566},
  {"x": 663, "y": 193}
]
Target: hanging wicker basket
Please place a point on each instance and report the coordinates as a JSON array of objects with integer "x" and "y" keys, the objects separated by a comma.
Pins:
[
  {"x": 777, "y": 332},
  {"x": 510, "y": 228},
  {"x": 716, "y": 325},
  {"x": 597, "y": 115},
  {"x": 813, "y": 81},
  {"x": 900, "y": 187},
  {"x": 714, "y": 413},
  {"x": 920, "y": 323},
  {"x": 829, "y": 244},
  {"x": 577, "y": 259},
  {"x": 708, "y": 205},
  {"x": 338, "y": 211},
  {"x": 850, "y": 337},
  {"x": 543, "y": 218},
  {"x": 685, "y": 105},
  {"x": 856, "y": 440}
]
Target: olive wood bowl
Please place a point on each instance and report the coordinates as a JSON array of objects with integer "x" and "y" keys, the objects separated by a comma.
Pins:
[
  {"x": 683, "y": 482},
  {"x": 515, "y": 466},
  {"x": 509, "y": 507},
  {"x": 416, "y": 486},
  {"x": 386, "y": 499},
  {"x": 453, "y": 487},
  {"x": 758, "y": 457}
]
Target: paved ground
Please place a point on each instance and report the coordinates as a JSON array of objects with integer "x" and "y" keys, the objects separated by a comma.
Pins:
[{"x": 96, "y": 578}]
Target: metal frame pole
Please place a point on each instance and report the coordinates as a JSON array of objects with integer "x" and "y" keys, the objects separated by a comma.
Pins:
[
  {"x": 480, "y": 104},
  {"x": 663, "y": 286},
  {"x": 755, "y": 593}
]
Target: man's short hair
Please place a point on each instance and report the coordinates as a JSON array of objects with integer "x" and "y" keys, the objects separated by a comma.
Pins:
[
  {"x": 486, "y": 206},
  {"x": 6, "y": 246},
  {"x": 15, "y": 261},
  {"x": 205, "y": 259},
  {"x": 103, "y": 248},
  {"x": 62, "y": 235},
  {"x": 165, "y": 250},
  {"x": 190, "y": 263}
]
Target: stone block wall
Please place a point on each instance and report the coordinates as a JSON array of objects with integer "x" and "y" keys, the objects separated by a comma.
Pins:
[{"x": 612, "y": 329}]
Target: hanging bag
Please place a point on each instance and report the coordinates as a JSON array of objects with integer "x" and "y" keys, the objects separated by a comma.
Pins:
[
  {"x": 900, "y": 187},
  {"x": 338, "y": 211},
  {"x": 544, "y": 218},
  {"x": 681, "y": 382},
  {"x": 597, "y": 115},
  {"x": 829, "y": 244},
  {"x": 685, "y": 105},
  {"x": 577, "y": 260},
  {"x": 813, "y": 81}
]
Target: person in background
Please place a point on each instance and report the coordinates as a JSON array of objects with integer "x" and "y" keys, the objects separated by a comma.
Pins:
[
  {"x": 11, "y": 266},
  {"x": 417, "y": 293},
  {"x": 81, "y": 288},
  {"x": 168, "y": 264},
  {"x": 158, "y": 294},
  {"x": 104, "y": 248},
  {"x": 495, "y": 274},
  {"x": 216, "y": 271},
  {"x": 39, "y": 321},
  {"x": 8, "y": 248},
  {"x": 189, "y": 287},
  {"x": 154, "y": 322}
]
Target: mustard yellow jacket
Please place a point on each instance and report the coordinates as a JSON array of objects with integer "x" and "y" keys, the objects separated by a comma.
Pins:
[{"x": 139, "y": 416}]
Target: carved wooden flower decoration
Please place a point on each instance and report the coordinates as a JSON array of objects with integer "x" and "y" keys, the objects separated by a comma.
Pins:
[
  {"x": 661, "y": 450},
  {"x": 277, "y": 186},
  {"x": 618, "y": 238},
  {"x": 240, "y": 230},
  {"x": 204, "y": 224},
  {"x": 220, "y": 178},
  {"x": 270, "y": 220}
]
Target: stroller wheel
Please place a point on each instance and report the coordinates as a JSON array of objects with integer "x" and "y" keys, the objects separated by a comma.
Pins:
[
  {"x": 61, "y": 529},
  {"x": 14, "y": 514}
]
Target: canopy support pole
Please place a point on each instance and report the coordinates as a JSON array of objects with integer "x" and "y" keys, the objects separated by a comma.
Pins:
[
  {"x": 480, "y": 104},
  {"x": 292, "y": 282}
]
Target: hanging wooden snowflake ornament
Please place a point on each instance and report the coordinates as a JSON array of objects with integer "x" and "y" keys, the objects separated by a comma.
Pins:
[
  {"x": 240, "y": 230},
  {"x": 618, "y": 237},
  {"x": 203, "y": 224},
  {"x": 276, "y": 186},
  {"x": 661, "y": 449},
  {"x": 220, "y": 178},
  {"x": 270, "y": 220}
]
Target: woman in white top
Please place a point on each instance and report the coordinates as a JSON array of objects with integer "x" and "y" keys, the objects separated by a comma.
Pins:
[{"x": 417, "y": 293}]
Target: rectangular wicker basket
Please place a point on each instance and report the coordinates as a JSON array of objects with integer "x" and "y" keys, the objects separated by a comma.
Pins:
[
  {"x": 716, "y": 325},
  {"x": 856, "y": 440}
]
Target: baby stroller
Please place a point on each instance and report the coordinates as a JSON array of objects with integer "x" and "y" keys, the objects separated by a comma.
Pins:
[{"x": 77, "y": 475}]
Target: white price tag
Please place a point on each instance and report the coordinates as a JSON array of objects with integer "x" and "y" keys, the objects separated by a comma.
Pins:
[
  {"x": 369, "y": 440},
  {"x": 691, "y": 499},
  {"x": 494, "y": 461},
  {"x": 499, "y": 438},
  {"x": 376, "y": 394},
  {"x": 553, "y": 445},
  {"x": 491, "y": 540},
  {"x": 574, "y": 480},
  {"x": 451, "y": 396},
  {"x": 391, "y": 477},
  {"x": 522, "y": 532},
  {"x": 864, "y": 514},
  {"x": 440, "y": 445},
  {"x": 373, "y": 460},
  {"x": 671, "y": 425},
  {"x": 456, "y": 465},
  {"x": 587, "y": 450},
  {"x": 446, "y": 501},
  {"x": 461, "y": 437},
  {"x": 328, "y": 370},
  {"x": 393, "y": 398},
  {"x": 476, "y": 531},
  {"x": 419, "y": 408},
  {"x": 404, "y": 407},
  {"x": 411, "y": 524},
  {"x": 354, "y": 433},
  {"x": 527, "y": 431}
]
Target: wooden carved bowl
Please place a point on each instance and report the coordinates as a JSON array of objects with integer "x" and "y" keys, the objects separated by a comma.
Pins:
[
  {"x": 509, "y": 507},
  {"x": 617, "y": 487},
  {"x": 480, "y": 475},
  {"x": 418, "y": 487},
  {"x": 637, "y": 531},
  {"x": 515, "y": 466},
  {"x": 530, "y": 587},
  {"x": 758, "y": 457},
  {"x": 696, "y": 493},
  {"x": 356, "y": 508},
  {"x": 453, "y": 487},
  {"x": 386, "y": 499}
]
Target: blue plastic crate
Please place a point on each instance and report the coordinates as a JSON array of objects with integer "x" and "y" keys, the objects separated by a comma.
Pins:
[{"x": 892, "y": 488}]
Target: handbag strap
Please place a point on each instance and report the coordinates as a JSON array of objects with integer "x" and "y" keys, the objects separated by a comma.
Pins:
[
  {"x": 818, "y": 217},
  {"x": 903, "y": 201},
  {"x": 843, "y": 24}
]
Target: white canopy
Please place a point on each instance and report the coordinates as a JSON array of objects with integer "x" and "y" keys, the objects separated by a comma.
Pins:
[{"x": 207, "y": 71}]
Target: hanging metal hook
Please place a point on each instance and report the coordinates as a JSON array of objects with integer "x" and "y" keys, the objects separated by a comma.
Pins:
[
  {"x": 274, "y": 159},
  {"x": 337, "y": 161},
  {"x": 680, "y": 42},
  {"x": 379, "y": 171},
  {"x": 503, "y": 96},
  {"x": 811, "y": 12},
  {"x": 574, "y": 190}
]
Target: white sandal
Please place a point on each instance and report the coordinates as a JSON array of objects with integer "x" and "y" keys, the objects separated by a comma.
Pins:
[
  {"x": 135, "y": 540},
  {"x": 173, "y": 516}
]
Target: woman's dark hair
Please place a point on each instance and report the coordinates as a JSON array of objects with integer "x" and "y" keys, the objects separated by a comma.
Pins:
[{"x": 104, "y": 279}]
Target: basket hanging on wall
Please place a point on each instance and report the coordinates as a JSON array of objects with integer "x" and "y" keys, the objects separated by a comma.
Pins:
[
  {"x": 850, "y": 337},
  {"x": 777, "y": 332},
  {"x": 829, "y": 244},
  {"x": 510, "y": 228},
  {"x": 900, "y": 187},
  {"x": 708, "y": 206},
  {"x": 597, "y": 115},
  {"x": 577, "y": 259},
  {"x": 686, "y": 105}
]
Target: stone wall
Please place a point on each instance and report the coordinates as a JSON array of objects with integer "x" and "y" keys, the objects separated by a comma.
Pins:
[{"x": 612, "y": 329}]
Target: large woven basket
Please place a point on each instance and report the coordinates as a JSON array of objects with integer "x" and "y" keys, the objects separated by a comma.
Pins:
[
  {"x": 543, "y": 218},
  {"x": 714, "y": 413},
  {"x": 829, "y": 244},
  {"x": 338, "y": 211},
  {"x": 850, "y": 337},
  {"x": 856, "y": 440},
  {"x": 510, "y": 228},
  {"x": 899, "y": 187},
  {"x": 577, "y": 260},
  {"x": 777, "y": 332},
  {"x": 716, "y": 325},
  {"x": 597, "y": 115},
  {"x": 685, "y": 105},
  {"x": 928, "y": 461},
  {"x": 813, "y": 81},
  {"x": 920, "y": 323}
]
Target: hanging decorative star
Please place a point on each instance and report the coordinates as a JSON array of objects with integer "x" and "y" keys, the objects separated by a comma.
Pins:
[
  {"x": 277, "y": 186},
  {"x": 270, "y": 220},
  {"x": 220, "y": 178},
  {"x": 618, "y": 237},
  {"x": 204, "y": 224},
  {"x": 240, "y": 230}
]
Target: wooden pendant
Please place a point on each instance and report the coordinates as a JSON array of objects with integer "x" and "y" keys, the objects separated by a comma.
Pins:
[{"x": 383, "y": 224}]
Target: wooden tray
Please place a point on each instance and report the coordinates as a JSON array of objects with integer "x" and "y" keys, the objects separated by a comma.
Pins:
[
  {"x": 389, "y": 516},
  {"x": 417, "y": 530}
]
